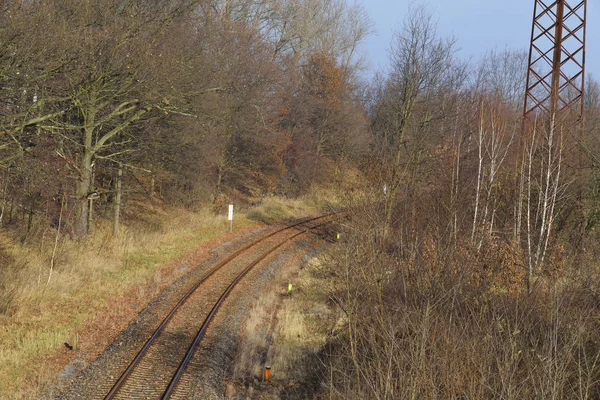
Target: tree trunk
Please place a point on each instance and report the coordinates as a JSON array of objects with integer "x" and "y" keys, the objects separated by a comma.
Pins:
[
  {"x": 10, "y": 213},
  {"x": 91, "y": 205},
  {"x": 117, "y": 210},
  {"x": 152, "y": 180},
  {"x": 4, "y": 191},
  {"x": 82, "y": 190},
  {"x": 84, "y": 183},
  {"x": 30, "y": 217},
  {"x": 220, "y": 172},
  {"x": 479, "y": 177}
]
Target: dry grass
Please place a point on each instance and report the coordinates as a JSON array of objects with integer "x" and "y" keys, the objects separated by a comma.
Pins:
[
  {"x": 45, "y": 308},
  {"x": 257, "y": 338},
  {"x": 274, "y": 208},
  {"x": 445, "y": 322},
  {"x": 287, "y": 334}
]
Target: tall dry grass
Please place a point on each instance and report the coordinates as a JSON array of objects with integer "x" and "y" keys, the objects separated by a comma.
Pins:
[
  {"x": 442, "y": 320},
  {"x": 49, "y": 289},
  {"x": 272, "y": 208},
  {"x": 286, "y": 333}
]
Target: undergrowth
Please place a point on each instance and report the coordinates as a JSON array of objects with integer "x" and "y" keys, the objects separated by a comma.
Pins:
[{"x": 449, "y": 320}]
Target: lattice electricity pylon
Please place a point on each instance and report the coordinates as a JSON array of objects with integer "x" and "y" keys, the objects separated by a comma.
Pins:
[{"x": 555, "y": 84}]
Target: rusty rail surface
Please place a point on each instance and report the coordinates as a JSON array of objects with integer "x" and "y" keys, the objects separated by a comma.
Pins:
[{"x": 189, "y": 354}]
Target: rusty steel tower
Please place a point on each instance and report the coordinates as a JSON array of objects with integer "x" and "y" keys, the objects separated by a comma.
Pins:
[{"x": 555, "y": 85}]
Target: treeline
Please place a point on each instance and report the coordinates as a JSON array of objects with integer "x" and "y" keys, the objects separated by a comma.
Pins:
[
  {"x": 453, "y": 157},
  {"x": 469, "y": 263},
  {"x": 473, "y": 238},
  {"x": 179, "y": 102}
]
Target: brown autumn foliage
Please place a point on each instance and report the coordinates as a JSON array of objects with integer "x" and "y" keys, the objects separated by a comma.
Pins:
[
  {"x": 326, "y": 123},
  {"x": 461, "y": 272},
  {"x": 472, "y": 249},
  {"x": 184, "y": 97}
]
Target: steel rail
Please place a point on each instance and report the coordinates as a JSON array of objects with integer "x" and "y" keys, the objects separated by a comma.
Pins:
[
  {"x": 192, "y": 348},
  {"x": 140, "y": 355}
]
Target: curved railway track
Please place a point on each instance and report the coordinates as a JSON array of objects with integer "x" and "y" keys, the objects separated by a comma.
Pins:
[{"x": 157, "y": 369}]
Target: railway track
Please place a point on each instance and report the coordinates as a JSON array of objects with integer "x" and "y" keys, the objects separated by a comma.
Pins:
[{"x": 159, "y": 368}]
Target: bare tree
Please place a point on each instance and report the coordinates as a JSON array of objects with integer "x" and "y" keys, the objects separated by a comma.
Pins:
[
  {"x": 544, "y": 184},
  {"x": 106, "y": 81},
  {"x": 502, "y": 74},
  {"x": 494, "y": 139},
  {"x": 410, "y": 115},
  {"x": 302, "y": 28}
]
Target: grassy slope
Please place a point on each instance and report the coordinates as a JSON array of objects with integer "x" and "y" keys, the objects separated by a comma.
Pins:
[{"x": 87, "y": 279}]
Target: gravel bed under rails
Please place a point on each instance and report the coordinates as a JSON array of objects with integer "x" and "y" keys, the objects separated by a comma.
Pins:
[
  {"x": 159, "y": 363},
  {"x": 211, "y": 366}
]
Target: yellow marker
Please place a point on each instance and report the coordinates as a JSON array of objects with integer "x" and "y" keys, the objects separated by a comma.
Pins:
[
  {"x": 338, "y": 236},
  {"x": 289, "y": 289}
]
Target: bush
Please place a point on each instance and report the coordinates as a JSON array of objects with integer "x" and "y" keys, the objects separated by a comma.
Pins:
[{"x": 454, "y": 322}]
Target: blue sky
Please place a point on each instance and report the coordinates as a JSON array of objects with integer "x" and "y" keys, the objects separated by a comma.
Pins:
[{"x": 478, "y": 25}]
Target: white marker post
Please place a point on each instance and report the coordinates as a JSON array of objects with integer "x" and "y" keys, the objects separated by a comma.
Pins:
[{"x": 230, "y": 217}]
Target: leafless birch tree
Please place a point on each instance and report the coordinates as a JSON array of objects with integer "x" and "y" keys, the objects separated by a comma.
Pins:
[{"x": 544, "y": 184}]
